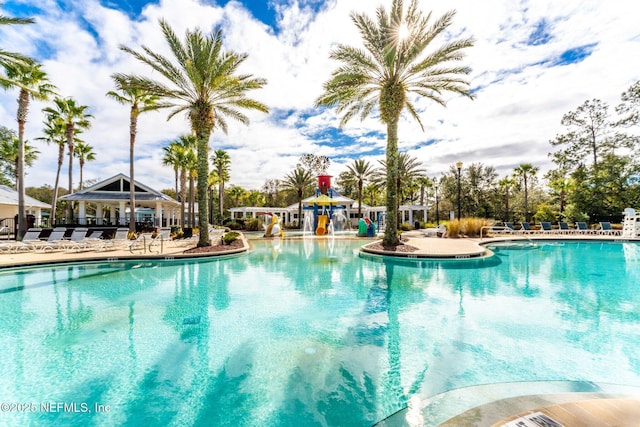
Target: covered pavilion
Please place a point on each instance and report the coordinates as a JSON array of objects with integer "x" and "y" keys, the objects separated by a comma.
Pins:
[{"x": 111, "y": 201}]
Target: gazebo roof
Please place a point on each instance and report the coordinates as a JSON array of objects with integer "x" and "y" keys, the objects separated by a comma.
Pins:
[
  {"x": 9, "y": 196},
  {"x": 116, "y": 189}
]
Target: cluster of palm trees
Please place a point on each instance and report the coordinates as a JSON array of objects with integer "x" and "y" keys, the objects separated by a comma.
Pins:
[{"x": 201, "y": 80}]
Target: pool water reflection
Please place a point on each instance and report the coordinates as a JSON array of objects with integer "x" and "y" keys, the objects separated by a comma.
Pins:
[{"x": 311, "y": 333}]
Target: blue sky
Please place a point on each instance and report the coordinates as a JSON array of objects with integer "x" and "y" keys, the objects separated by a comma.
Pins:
[{"x": 533, "y": 62}]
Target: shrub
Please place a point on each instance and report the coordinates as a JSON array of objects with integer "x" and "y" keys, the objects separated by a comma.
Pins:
[
  {"x": 405, "y": 227},
  {"x": 254, "y": 224},
  {"x": 573, "y": 214},
  {"x": 230, "y": 237},
  {"x": 545, "y": 213},
  {"x": 454, "y": 228},
  {"x": 234, "y": 225},
  {"x": 471, "y": 227}
]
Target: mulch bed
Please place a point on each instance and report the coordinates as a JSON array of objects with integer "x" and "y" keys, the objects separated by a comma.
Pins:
[
  {"x": 400, "y": 248},
  {"x": 236, "y": 244}
]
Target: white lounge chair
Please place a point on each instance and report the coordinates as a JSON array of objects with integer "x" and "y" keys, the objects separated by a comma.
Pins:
[{"x": 438, "y": 231}]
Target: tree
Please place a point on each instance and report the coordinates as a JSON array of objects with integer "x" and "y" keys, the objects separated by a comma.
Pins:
[
  {"x": 11, "y": 59},
  {"x": 181, "y": 156},
  {"x": 589, "y": 133},
  {"x": 221, "y": 171},
  {"x": 54, "y": 133},
  {"x": 298, "y": 181},
  {"x": 237, "y": 193},
  {"x": 630, "y": 106},
  {"x": 32, "y": 83},
  {"x": 203, "y": 83},
  {"x": 74, "y": 118},
  {"x": 270, "y": 188},
  {"x": 10, "y": 155},
  {"x": 360, "y": 171},
  {"x": 140, "y": 101},
  {"x": 385, "y": 76},
  {"x": 317, "y": 165},
  {"x": 84, "y": 152},
  {"x": 506, "y": 184},
  {"x": 523, "y": 174}
]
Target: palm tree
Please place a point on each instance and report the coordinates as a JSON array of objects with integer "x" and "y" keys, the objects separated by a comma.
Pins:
[
  {"x": 141, "y": 102},
  {"x": 237, "y": 193},
  {"x": 75, "y": 118},
  {"x": 523, "y": 173},
  {"x": 181, "y": 156},
  {"x": 33, "y": 83},
  {"x": 170, "y": 159},
  {"x": 298, "y": 180},
  {"x": 84, "y": 152},
  {"x": 221, "y": 171},
  {"x": 10, "y": 154},
  {"x": 506, "y": 184},
  {"x": 11, "y": 59},
  {"x": 360, "y": 171},
  {"x": 54, "y": 133},
  {"x": 393, "y": 65},
  {"x": 203, "y": 83}
]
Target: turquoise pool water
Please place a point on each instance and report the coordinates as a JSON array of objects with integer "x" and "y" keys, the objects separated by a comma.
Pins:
[{"x": 308, "y": 333}]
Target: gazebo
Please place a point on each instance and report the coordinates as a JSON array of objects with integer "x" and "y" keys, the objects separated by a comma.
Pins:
[{"x": 112, "y": 196}]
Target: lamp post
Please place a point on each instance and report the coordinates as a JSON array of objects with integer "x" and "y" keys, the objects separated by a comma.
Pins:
[
  {"x": 459, "y": 167},
  {"x": 435, "y": 185}
]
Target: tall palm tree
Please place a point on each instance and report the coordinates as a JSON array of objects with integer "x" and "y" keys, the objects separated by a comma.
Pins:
[
  {"x": 11, "y": 59},
  {"x": 54, "y": 133},
  {"x": 409, "y": 169},
  {"x": 360, "y": 171},
  {"x": 10, "y": 153},
  {"x": 506, "y": 184},
  {"x": 75, "y": 118},
  {"x": 202, "y": 82},
  {"x": 298, "y": 180},
  {"x": 32, "y": 83},
  {"x": 170, "y": 158},
  {"x": 221, "y": 170},
  {"x": 140, "y": 101},
  {"x": 523, "y": 173},
  {"x": 394, "y": 65},
  {"x": 84, "y": 152},
  {"x": 181, "y": 155}
]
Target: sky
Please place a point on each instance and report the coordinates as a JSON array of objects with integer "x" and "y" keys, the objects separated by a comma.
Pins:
[{"x": 533, "y": 61}]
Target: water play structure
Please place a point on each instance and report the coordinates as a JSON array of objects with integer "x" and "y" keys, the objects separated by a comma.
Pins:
[
  {"x": 324, "y": 212},
  {"x": 273, "y": 228}
]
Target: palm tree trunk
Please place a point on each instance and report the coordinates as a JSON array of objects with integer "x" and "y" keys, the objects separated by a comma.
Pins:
[
  {"x": 221, "y": 199},
  {"x": 390, "y": 232},
  {"x": 23, "y": 104},
  {"x": 183, "y": 191},
  {"x": 54, "y": 202},
  {"x": 71, "y": 146},
  {"x": 359, "y": 198},
  {"x": 132, "y": 185},
  {"x": 203, "y": 133}
]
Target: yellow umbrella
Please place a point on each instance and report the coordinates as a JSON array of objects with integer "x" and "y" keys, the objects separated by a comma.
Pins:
[{"x": 323, "y": 200}]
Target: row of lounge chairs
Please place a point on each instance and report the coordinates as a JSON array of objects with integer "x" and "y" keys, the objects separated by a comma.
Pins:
[
  {"x": 563, "y": 228},
  {"x": 81, "y": 240}
]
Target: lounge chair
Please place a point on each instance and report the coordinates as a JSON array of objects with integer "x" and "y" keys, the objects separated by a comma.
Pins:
[
  {"x": 583, "y": 228},
  {"x": 80, "y": 242},
  {"x": 55, "y": 241},
  {"x": 564, "y": 227},
  {"x": 606, "y": 229},
  {"x": 545, "y": 227},
  {"x": 438, "y": 231},
  {"x": 526, "y": 228},
  {"x": 119, "y": 241},
  {"x": 160, "y": 240}
]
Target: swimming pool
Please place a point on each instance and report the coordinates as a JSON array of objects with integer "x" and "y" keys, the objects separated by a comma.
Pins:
[{"x": 308, "y": 332}]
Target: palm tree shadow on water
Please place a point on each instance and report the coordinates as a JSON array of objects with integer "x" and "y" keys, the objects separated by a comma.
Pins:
[{"x": 348, "y": 391}]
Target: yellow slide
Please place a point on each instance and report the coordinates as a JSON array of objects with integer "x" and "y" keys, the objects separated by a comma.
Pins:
[{"x": 321, "y": 230}]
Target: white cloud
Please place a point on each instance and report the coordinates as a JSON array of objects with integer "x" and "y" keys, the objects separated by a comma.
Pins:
[{"x": 516, "y": 112}]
